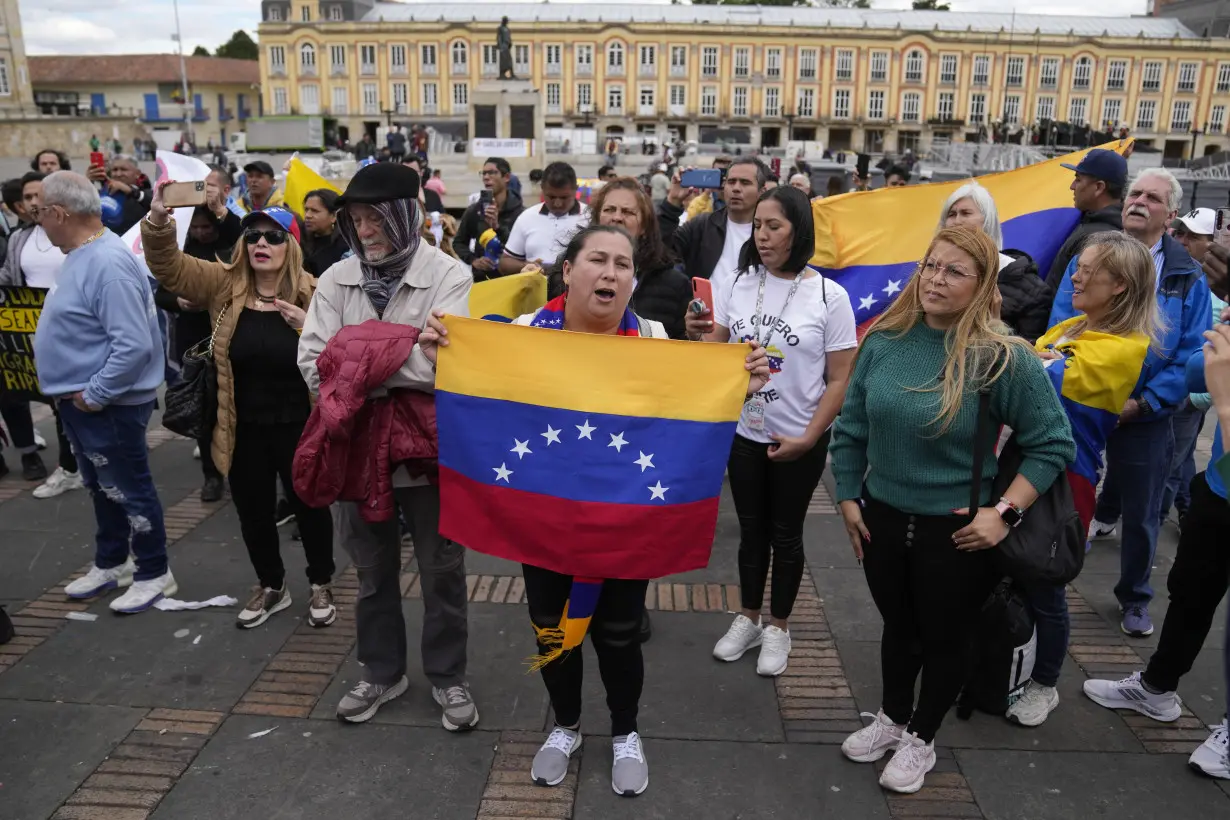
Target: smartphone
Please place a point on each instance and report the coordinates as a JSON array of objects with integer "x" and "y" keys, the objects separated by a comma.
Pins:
[
  {"x": 1221, "y": 230},
  {"x": 702, "y": 292},
  {"x": 863, "y": 168},
  {"x": 97, "y": 160},
  {"x": 485, "y": 198},
  {"x": 184, "y": 194},
  {"x": 709, "y": 178}
]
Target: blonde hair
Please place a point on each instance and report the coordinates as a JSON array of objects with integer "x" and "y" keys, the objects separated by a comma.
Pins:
[
  {"x": 1135, "y": 309},
  {"x": 289, "y": 275},
  {"x": 978, "y": 346}
]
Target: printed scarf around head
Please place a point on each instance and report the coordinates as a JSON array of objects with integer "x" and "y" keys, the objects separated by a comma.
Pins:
[
  {"x": 403, "y": 225},
  {"x": 583, "y": 597}
]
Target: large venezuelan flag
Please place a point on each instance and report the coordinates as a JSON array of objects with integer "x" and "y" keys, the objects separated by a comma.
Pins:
[
  {"x": 871, "y": 241},
  {"x": 596, "y": 456}
]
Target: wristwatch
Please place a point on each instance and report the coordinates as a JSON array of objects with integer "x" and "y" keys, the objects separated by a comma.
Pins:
[{"x": 1009, "y": 512}]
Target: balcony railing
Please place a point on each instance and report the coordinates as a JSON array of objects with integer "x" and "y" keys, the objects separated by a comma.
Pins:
[
  {"x": 429, "y": 70},
  {"x": 1187, "y": 88},
  {"x": 225, "y": 114},
  {"x": 1181, "y": 127},
  {"x": 431, "y": 108},
  {"x": 614, "y": 70},
  {"x": 554, "y": 70},
  {"x": 278, "y": 69},
  {"x": 843, "y": 76},
  {"x": 647, "y": 70},
  {"x": 1116, "y": 85},
  {"x": 677, "y": 110},
  {"x": 1144, "y": 126},
  {"x": 1049, "y": 82},
  {"x": 679, "y": 71},
  {"x": 245, "y": 114},
  {"x": 398, "y": 70},
  {"x": 881, "y": 77},
  {"x": 307, "y": 70},
  {"x": 367, "y": 69},
  {"x": 338, "y": 71},
  {"x": 1015, "y": 82},
  {"x": 1151, "y": 86},
  {"x": 1080, "y": 84},
  {"x": 489, "y": 70},
  {"x": 554, "y": 108},
  {"x": 646, "y": 111},
  {"x": 585, "y": 69},
  {"x": 461, "y": 69}
]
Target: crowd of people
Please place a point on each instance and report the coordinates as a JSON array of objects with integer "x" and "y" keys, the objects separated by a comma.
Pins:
[{"x": 347, "y": 303}]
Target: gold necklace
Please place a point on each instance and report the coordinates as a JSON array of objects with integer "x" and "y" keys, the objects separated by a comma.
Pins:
[{"x": 96, "y": 235}]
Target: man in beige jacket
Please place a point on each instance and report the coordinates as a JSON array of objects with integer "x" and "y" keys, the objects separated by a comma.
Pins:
[{"x": 395, "y": 277}]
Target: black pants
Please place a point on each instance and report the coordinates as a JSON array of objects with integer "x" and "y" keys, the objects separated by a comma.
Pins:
[
  {"x": 208, "y": 468},
  {"x": 615, "y": 633},
  {"x": 1197, "y": 583},
  {"x": 771, "y": 499},
  {"x": 929, "y": 594},
  {"x": 263, "y": 453}
]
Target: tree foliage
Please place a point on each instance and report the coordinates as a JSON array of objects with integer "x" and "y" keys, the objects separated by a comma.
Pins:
[
  {"x": 931, "y": 5},
  {"x": 200, "y": 51},
  {"x": 239, "y": 47}
]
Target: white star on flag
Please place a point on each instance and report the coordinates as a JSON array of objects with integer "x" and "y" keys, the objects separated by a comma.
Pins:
[
  {"x": 617, "y": 441},
  {"x": 552, "y": 435},
  {"x": 521, "y": 448},
  {"x": 585, "y": 430},
  {"x": 657, "y": 491},
  {"x": 502, "y": 473},
  {"x": 644, "y": 462},
  {"x": 866, "y": 302},
  {"x": 893, "y": 286}
]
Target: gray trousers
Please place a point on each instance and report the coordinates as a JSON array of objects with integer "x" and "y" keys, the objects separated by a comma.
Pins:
[{"x": 376, "y": 552}]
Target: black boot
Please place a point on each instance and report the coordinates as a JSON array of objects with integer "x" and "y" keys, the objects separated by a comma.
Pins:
[
  {"x": 32, "y": 467},
  {"x": 211, "y": 490},
  {"x": 646, "y": 626},
  {"x": 6, "y": 627}
]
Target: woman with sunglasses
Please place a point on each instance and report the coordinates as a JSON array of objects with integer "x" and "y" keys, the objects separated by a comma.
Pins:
[{"x": 257, "y": 305}]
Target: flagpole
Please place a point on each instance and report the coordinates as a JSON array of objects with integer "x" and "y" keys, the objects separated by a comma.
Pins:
[{"x": 183, "y": 75}]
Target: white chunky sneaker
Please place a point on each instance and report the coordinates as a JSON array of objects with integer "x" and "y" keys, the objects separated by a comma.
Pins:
[
  {"x": 774, "y": 652},
  {"x": 873, "y": 741},
  {"x": 98, "y": 581},
  {"x": 1130, "y": 693},
  {"x": 144, "y": 594},
  {"x": 742, "y": 636},
  {"x": 1212, "y": 756},
  {"x": 58, "y": 483},
  {"x": 910, "y": 764},
  {"x": 1034, "y": 705}
]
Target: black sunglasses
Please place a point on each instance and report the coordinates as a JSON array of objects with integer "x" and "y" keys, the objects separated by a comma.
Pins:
[{"x": 275, "y": 236}]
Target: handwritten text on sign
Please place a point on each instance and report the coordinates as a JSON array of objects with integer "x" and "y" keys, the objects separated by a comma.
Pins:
[{"x": 19, "y": 312}]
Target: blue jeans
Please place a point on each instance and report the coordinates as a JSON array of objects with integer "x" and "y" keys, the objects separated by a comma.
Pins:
[
  {"x": 1187, "y": 421},
  {"x": 1050, "y": 608},
  {"x": 1136, "y": 458},
  {"x": 114, "y": 462}
]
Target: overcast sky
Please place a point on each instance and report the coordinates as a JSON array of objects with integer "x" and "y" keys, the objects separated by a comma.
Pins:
[{"x": 147, "y": 26}]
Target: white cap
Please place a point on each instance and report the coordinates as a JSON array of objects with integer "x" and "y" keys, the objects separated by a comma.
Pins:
[{"x": 1201, "y": 221}]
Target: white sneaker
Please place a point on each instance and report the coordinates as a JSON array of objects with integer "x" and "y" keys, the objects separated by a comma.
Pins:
[
  {"x": 144, "y": 594},
  {"x": 58, "y": 483},
  {"x": 629, "y": 771},
  {"x": 742, "y": 636},
  {"x": 1034, "y": 705},
  {"x": 774, "y": 652},
  {"x": 39, "y": 441},
  {"x": 1213, "y": 756},
  {"x": 196, "y": 452},
  {"x": 910, "y": 764},
  {"x": 550, "y": 765},
  {"x": 98, "y": 581},
  {"x": 1100, "y": 529},
  {"x": 871, "y": 742},
  {"x": 1130, "y": 693}
]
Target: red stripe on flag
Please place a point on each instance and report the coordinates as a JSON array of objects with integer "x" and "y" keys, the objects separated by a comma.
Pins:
[{"x": 584, "y": 538}]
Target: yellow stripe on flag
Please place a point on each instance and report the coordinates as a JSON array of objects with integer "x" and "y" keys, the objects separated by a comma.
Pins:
[
  {"x": 655, "y": 378},
  {"x": 300, "y": 180},
  {"x": 508, "y": 296}
]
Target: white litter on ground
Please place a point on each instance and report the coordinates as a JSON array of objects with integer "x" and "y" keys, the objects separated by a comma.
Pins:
[
  {"x": 81, "y": 616},
  {"x": 255, "y": 735},
  {"x": 182, "y": 633},
  {"x": 173, "y": 605}
]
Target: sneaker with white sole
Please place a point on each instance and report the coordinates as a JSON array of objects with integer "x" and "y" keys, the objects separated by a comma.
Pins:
[
  {"x": 742, "y": 636},
  {"x": 1136, "y": 622},
  {"x": 1034, "y": 705},
  {"x": 1130, "y": 693},
  {"x": 363, "y": 701},
  {"x": 873, "y": 741},
  {"x": 98, "y": 580},
  {"x": 39, "y": 441},
  {"x": 58, "y": 483},
  {"x": 774, "y": 652},
  {"x": 144, "y": 594},
  {"x": 321, "y": 610},
  {"x": 265, "y": 601},
  {"x": 460, "y": 713},
  {"x": 1100, "y": 530},
  {"x": 1213, "y": 756},
  {"x": 910, "y": 764},
  {"x": 550, "y": 765},
  {"x": 629, "y": 771}
]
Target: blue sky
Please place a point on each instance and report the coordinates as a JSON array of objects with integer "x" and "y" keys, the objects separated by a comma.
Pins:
[{"x": 146, "y": 26}]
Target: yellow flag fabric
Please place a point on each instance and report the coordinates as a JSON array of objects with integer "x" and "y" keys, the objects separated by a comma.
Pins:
[
  {"x": 301, "y": 179},
  {"x": 509, "y": 296}
]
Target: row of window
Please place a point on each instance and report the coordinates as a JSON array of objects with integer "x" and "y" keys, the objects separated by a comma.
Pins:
[
  {"x": 6, "y": 87},
  {"x": 1118, "y": 71},
  {"x": 333, "y": 14}
]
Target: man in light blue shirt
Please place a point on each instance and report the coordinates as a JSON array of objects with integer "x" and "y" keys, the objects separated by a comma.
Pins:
[{"x": 98, "y": 350}]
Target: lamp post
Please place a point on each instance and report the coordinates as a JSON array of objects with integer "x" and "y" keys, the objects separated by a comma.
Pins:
[
  {"x": 789, "y": 126},
  {"x": 1196, "y": 132},
  {"x": 183, "y": 76}
]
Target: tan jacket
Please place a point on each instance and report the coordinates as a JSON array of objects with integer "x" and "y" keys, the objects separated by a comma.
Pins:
[{"x": 209, "y": 283}]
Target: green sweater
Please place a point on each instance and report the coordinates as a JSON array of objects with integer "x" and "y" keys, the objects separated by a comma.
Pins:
[{"x": 887, "y": 427}]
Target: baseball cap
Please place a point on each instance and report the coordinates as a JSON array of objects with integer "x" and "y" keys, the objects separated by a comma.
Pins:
[
  {"x": 260, "y": 167},
  {"x": 278, "y": 214},
  {"x": 1201, "y": 221},
  {"x": 1101, "y": 164}
]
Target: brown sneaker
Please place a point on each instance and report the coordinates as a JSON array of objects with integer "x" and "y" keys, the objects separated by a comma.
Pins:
[
  {"x": 321, "y": 611},
  {"x": 263, "y": 603}
]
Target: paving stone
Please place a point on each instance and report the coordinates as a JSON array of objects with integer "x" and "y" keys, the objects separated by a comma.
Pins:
[
  {"x": 338, "y": 770},
  {"x": 1098, "y": 590},
  {"x": 44, "y": 557},
  {"x": 1203, "y": 689},
  {"x": 826, "y": 545},
  {"x": 851, "y": 613},
  {"x": 49, "y": 749}
]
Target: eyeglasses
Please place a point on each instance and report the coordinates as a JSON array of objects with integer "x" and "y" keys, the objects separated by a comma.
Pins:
[
  {"x": 930, "y": 270},
  {"x": 273, "y": 237}
]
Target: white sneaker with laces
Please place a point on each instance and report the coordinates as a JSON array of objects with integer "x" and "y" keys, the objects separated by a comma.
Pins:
[
  {"x": 1034, "y": 705},
  {"x": 742, "y": 636},
  {"x": 550, "y": 765},
  {"x": 774, "y": 652},
  {"x": 1213, "y": 756},
  {"x": 910, "y": 764},
  {"x": 1130, "y": 693},
  {"x": 873, "y": 741},
  {"x": 98, "y": 581},
  {"x": 629, "y": 771},
  {"x": 58, "y": 483},
  {"x": 144, "y": 594}
]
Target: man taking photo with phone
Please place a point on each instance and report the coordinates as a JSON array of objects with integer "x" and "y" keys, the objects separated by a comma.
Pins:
[
  {"x": 497, "y": 209},
  {"x": 123, "y": 182}
]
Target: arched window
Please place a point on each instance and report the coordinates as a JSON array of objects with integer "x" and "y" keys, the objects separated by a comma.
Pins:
[
  {"x": 914, "y": 66},
  {"x": 1082, "y": 73},
  {"x": 307, "y": 58},
  {"x": 615, "y": 57},
  {"x": 461, "y": 57}
]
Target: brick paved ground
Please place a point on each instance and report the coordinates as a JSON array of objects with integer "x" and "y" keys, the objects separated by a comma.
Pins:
[{"x": 179, "y": 715}]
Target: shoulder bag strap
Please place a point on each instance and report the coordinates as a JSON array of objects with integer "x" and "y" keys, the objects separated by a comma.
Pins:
[
  {"x": 214, "y": 335},
  {"x": 980, "y": 437}
]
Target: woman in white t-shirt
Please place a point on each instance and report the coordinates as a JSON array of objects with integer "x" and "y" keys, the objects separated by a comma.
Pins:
[{"x": 782, "y": 439}]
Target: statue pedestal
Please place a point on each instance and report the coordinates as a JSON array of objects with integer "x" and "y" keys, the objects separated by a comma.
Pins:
[{"x": 506, "y": 121}]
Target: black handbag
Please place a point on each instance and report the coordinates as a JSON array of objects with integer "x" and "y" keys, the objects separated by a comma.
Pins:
[
  {"x": 1048, "y": 547},
  {"x": 192, "y": 403}
]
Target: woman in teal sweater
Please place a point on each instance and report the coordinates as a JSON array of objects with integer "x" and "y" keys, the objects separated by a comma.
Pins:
[{"x": 902, "y": 458}]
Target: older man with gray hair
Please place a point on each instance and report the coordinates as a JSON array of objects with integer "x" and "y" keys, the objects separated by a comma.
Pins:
[
  {"x": 98, "y": 350},
  {"x": 802, "y": 182}
]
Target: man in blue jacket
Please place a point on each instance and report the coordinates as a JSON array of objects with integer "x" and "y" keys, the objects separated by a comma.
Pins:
[
  {"x": 98, "y": 350},
  {"x": 1139, "y": 451}
]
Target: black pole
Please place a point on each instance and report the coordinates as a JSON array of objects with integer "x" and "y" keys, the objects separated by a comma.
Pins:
[{"x": 1195, "y": 187}]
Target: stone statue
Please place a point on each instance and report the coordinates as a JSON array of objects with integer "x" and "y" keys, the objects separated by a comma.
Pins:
[{"x": 503, "y": 41}]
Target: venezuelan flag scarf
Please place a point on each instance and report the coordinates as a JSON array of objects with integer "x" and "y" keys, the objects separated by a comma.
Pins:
[{"x": 583, "y": 597}]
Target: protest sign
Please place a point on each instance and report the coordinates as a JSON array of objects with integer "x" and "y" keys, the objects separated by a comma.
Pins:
[{"x": 20, "y": 308}]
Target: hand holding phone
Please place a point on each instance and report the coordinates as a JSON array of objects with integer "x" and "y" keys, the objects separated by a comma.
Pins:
[
  {"x": 183, "y": 194},
  {"x": 703, "y": 178},
  {"x": 97, "y": 160}
]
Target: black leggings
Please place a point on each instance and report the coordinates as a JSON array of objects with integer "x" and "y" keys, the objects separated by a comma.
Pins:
[
  {"x": 771, "y": 499},
  {"x": 615, "y": 633},
  {"x": 929, "y": 594}
]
